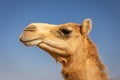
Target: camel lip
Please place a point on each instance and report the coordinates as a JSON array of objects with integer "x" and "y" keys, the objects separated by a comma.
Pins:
[
  {"x": 32, "y": 42},
  {"x": 25, "y": 41}
]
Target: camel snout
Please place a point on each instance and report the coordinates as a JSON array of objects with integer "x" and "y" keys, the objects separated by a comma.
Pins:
[{"x": 31, "y": 28}]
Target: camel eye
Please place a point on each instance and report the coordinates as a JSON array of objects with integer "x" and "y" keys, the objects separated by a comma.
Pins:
[{"x": 66, "y": 32}]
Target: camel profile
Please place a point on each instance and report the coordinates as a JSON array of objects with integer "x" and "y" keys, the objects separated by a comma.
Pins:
[{"x": 70, "y": 45}]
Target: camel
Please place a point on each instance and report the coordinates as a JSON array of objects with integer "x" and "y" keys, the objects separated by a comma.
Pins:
[{"x": 70, "y": 45}]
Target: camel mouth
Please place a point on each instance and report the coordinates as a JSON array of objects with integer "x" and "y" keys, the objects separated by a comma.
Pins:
[
  {"x": 24, "y": 41},
  {"x": 31, "y": 42}
]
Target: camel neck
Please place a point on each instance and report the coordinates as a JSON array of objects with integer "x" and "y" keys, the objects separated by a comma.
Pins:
[{"x": 85, "y": 65}]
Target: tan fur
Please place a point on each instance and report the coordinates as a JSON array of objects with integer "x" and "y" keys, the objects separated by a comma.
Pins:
[{"x": 70, "y": 45}]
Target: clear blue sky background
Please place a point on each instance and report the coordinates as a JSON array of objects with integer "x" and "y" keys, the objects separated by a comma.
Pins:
[{"x": 18, "y": 62}]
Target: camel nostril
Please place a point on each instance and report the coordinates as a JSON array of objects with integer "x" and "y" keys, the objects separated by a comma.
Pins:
[
  {"x": 21, "y": 40},
  {"x": 30, "y": 28}
]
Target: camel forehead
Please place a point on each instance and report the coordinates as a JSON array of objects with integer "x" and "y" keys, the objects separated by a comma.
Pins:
[
  {"x": 47, "y": 24},
  {"x": 42, "y": 24},
  {"x": 71, "y": 24}
]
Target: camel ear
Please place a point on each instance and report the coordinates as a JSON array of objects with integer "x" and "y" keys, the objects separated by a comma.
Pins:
[{"x": 86, "y": 26}]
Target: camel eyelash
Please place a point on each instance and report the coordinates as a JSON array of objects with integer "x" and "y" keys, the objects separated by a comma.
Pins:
[{"x": 65, "y": 31}]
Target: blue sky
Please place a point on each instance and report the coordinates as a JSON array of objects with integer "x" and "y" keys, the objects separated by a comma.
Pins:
[{"x": 18, "y": 62}]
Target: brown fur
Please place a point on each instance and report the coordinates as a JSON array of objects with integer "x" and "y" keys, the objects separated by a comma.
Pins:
[
  {"x": 72, "y": 48},
  {"x": 90, "y": 67}
]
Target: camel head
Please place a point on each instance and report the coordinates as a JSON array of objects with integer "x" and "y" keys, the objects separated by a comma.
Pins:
[
  {"x": 61, "y": 40},
  {"x": 70, "y": 45}
]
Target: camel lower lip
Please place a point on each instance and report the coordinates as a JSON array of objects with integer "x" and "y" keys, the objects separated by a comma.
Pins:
[{"x": 33, "y": 42}]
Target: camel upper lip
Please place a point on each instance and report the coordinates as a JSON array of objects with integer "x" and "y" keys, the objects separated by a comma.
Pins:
[{"x": 29, "y": 40}]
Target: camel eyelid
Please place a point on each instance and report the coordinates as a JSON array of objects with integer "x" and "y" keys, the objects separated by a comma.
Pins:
[{"x": 66, "y": 31}]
